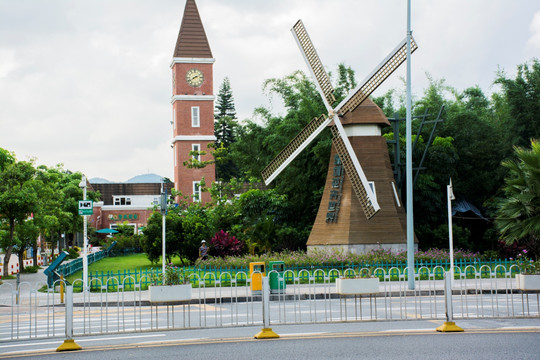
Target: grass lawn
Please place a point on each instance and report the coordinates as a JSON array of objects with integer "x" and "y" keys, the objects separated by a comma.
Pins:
[{"x": 120, "y": 263}]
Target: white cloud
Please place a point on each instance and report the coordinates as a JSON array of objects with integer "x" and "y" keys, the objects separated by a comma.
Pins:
[
  {"x": 534, "y": 40},
  {"x": 88, "y": 83}
]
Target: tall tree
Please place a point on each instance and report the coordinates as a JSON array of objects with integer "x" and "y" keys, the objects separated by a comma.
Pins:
[
  {"x": 26, "y": 234},
  {"x": 225, "y": 128},
  {"x": 523, "y": 97},
  {"x": 17, "y": 199},
  {"x": 225, "y": 101},
  {"x": 345, "y": 81}
]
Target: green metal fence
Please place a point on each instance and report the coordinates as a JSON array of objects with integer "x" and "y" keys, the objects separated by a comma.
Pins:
[
  {"x": 73, "y": 266},
  {"x": 387, "y": 271}
]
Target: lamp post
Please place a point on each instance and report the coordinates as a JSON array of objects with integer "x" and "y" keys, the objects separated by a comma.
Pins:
[
  {"x": 82, "y": 185},
  {"x": 450, "y": 196},
  {"x": 163, "y": 235},
  {"x": 408, "y": 143}
]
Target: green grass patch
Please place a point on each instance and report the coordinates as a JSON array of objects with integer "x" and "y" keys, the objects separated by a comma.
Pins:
[{"x": 120, "y": 264}]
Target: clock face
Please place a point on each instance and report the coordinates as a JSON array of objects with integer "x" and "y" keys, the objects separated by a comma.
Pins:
[{"x": 194, "y": 77}]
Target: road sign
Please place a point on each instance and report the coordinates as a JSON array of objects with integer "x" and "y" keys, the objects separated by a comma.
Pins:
[{"x": 86, "y": 207}]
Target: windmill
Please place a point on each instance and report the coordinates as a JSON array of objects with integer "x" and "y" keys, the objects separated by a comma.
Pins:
[{"x": 347, "y": 157}]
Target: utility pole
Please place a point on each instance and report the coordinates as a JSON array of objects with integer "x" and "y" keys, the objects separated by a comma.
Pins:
[
  {"x": 409, "y": 176},
  {"x": 82, "y": 185},
  {"x": 163, "y": 235}
]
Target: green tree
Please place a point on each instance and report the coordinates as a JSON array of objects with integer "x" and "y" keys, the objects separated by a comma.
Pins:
[
  {"x": 26, "y": 235},
  {"x": 225, "y": 129},
  {"x": 345, "y": 82},
  {"x": 153, "y": 236},
  {"x": 50, "y": 216},
  {"x": 518, "y": 215},
  {"x": 522, "y": 95},
  {"x": 225, "y": 101},
  {"x": 196, "y": 227},
  {"x": 17, "y": 198}
]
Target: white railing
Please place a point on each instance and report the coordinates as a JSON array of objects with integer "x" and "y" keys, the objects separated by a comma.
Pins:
[{"x": 33, "y": 310}]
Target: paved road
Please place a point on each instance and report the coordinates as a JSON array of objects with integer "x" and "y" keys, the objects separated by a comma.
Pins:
[{"x": 482, "y": 339}]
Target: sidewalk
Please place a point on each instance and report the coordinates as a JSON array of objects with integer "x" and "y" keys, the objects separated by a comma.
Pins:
[{"x": 33, "y": 279}]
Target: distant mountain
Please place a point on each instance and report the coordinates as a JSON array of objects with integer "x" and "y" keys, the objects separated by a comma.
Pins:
[
  {"x": 145, "y": 178},
  {"x": 97, "y": 180},
  {"x": 139, "y": 179}
]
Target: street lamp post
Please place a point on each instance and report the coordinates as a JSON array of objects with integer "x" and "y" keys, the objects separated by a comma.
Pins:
[
  {"x": 82, "y": 185},
  {"x": 163, "y": 235},
  {"x": 408, "y": 127}
]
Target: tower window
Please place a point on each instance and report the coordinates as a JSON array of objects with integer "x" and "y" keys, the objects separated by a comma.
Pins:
[
  {"x": 196, "y": 147},
  {"x": 195, "y": 117},
  {"x": 396, "y": 197},
  {"x": 372, "y": 187},
  {"x": 196, "y": 191}
]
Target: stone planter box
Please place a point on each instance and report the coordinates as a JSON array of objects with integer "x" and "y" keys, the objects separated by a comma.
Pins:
[
  {"x": 169, "y": 293},
  {"x": 528, "y": 282},
  {"x": 357, "y": 286}
]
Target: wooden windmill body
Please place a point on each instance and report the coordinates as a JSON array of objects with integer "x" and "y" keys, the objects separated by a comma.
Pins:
[
  {"x": 371, "y": 218},
  {"x": 340, "y": 223}
]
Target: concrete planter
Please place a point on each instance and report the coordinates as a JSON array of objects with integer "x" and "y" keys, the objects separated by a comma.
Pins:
[
  {"x": 169, "y": 293},
  {"x": 528, "y": 282},
  {"x": 357, "y": 286}
]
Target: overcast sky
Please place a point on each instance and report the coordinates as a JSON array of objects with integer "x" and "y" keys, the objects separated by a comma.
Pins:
[{"x": 88, "y": 83}]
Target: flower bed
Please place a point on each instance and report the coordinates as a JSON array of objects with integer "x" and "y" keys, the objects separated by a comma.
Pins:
[{"x": 337, "y": 258}]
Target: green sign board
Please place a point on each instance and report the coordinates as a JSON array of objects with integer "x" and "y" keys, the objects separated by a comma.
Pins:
[{"x": 86, "y": 207}]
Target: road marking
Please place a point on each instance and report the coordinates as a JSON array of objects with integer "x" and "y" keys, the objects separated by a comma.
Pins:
[
  {"x": 518, "y": 327},
  {"x": 405, "y": 330},
  {"x": 83, "y": 340},
  {"x": 303, "y": 334},
  {"x": 207, "y": 307},
  {"x": 174, "y": 340}
]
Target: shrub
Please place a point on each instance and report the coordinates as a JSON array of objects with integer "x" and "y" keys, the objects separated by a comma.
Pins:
[
  {"x": 32, "y": 269},
  {"x": 337, "y": 258},
  {"x": 223, "y": 244},
  {"x": 72, "y": 253}
]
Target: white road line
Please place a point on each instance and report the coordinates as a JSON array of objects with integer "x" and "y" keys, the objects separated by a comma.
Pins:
[
  {"x": 84, "y": 340},
  {"x": 518, "y": 327},
  {"x": 402, "y": 330}
]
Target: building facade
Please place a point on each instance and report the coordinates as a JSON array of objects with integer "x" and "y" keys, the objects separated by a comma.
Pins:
[{"x": 126, "y": 203}]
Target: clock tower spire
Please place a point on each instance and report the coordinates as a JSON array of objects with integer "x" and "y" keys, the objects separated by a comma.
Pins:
[{"x": 193, "y": 104}]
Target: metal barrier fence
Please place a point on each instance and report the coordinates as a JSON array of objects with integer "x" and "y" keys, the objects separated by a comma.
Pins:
[
  {"x": 147, "y": 276},
  {"x": 311, "y": 297}
]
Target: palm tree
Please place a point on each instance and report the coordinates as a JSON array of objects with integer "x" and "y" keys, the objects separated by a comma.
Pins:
[{"x": 518, "y": 214}]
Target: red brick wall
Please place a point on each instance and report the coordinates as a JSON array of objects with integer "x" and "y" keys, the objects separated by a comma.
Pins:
[
  {"x": 182, "y": 109},
  {"x": 183, "y": 176},
  {"x": 181, "y": 86}
]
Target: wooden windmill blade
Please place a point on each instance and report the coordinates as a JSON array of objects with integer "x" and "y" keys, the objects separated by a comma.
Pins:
[
  {"x": 370, "y": 207},
  {"x": 295, "y": 147},
  {"x": 353, "y": 169},
  {"x": 376, "y": 78},
  {"x": 314, "y": 64},
  {"x": 317, "y": 125}
]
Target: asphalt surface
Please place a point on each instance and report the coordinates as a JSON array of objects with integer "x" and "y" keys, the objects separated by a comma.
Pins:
[{"x": 481, "y": 339}]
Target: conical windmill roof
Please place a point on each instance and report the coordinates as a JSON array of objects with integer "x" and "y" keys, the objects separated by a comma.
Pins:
[{"x": 366, "y": 113}]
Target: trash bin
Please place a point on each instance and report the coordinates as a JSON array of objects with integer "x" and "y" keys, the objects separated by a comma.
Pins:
[
  {"x": 256, "y": 272},
  {"x": 275, "y": 276}
]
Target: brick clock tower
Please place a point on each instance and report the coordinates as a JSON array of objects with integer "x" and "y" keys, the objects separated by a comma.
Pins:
[{"x": 193, "y": 104}]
